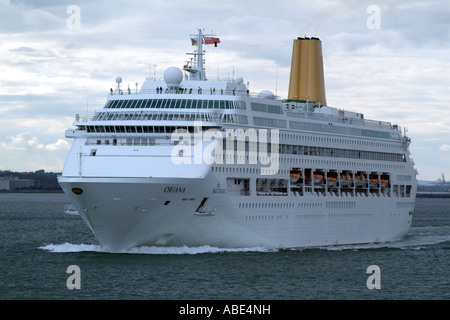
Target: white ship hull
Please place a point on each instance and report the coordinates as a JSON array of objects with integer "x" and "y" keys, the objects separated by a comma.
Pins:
[{"x": 129, "y": 212}]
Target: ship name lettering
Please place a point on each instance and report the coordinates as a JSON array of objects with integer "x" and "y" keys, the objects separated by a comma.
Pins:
[
  {"x": 218, "y": 190},
  {"x": 174, "y": 189}
]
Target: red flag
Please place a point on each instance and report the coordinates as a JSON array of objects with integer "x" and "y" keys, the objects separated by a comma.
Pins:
[{"x": 211, "y": 40}]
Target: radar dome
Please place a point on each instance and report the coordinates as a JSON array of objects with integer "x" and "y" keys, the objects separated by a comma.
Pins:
[
  {"x": 239, "y": 79},
  {"x": 173, "y": 77},
  {"x": 266, "y": 94},
  {"x": 118, "y": 79}
]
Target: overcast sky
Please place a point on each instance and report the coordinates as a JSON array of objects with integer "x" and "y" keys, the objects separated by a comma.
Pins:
[{"x": 386, "y": 59}]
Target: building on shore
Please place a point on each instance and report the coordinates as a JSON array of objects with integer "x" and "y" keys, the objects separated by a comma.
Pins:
[{"x": 14, "y": 183}]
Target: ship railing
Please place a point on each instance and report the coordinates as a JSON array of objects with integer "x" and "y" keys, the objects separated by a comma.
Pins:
[
  {"x": 83, "y": 118},
  {"x": 212, "y": 91},
  {"x": 346, "y": 120},
  {"x": 213, "y": 117},
  {"x": 132, "y": 143}
]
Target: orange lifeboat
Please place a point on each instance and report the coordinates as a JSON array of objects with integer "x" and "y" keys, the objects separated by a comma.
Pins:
[
  {"x": 346, "y": 179},
  {"x": 331, "y": 181},
  {"x": 295, "y": 177},
  {"x": 318, "y": 178},
  {"x": 360, "y": 179}
]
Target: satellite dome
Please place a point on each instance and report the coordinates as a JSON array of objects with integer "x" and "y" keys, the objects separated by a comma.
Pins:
[
  {"x": 266, "y": 94},
  {"x": 118, "y": 79},
  {"x": 173, "y": 77},
  {"x": 239, "y": 79}
]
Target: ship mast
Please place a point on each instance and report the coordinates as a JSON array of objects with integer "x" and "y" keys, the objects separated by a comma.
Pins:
[
  {"x": 195, "y": 66},
  {"x": 200, "y": 69}
]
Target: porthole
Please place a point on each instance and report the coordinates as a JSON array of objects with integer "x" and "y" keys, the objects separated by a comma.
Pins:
[{"x": 77, "y": 191}]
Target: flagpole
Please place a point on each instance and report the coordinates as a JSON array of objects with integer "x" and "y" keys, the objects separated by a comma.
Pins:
[{"x": 200, "y": 54}]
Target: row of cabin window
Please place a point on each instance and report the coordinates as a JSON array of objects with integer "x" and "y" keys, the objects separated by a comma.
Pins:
[
  {"x": 329, "y": 128},
  {"x": 337, "y": 140},
  {"x": 155, "y": 116},
  {"x": 142, "y": 129},
  {"x": 175, "y": 104},
  {"x": 320, "y": 151},
  {"x": 283, "y": 148}
]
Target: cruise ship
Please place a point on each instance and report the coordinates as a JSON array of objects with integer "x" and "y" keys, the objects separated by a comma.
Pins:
[{"x": 187, "y": 161}]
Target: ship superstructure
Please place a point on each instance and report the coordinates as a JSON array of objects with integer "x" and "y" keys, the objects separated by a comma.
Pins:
[{"x": 188, "y": 161}]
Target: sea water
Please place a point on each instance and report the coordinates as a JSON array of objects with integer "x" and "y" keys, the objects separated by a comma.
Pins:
[{"x": 39, "y": 243}]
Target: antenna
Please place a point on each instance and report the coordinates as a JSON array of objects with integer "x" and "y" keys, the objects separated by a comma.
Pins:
[
  {"x": 150, "y": 69},
  {"x": 154, "y": 72},
  {"x": 276, "y": 81}
]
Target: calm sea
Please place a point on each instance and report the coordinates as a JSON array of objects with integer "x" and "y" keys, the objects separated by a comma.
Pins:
[{"x": 39, "y": 242}]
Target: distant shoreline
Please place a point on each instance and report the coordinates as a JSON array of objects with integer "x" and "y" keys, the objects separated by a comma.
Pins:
[{"x": 31, "y": 191}]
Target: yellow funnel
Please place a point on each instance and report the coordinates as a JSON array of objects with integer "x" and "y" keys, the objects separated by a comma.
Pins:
[{"x": 307, "y": 80}]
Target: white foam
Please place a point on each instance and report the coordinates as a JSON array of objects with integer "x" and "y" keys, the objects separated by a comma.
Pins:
[
  {"x": 191, "y": 250},
  {"x": 417, "y": 238},
  {"x": 69, "y": 247}
]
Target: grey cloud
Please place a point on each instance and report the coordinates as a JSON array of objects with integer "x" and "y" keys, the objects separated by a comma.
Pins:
[{"x": 41, "y": 20}]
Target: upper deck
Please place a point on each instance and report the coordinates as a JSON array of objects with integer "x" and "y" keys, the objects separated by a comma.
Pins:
[{"x": 179, "y": 99}]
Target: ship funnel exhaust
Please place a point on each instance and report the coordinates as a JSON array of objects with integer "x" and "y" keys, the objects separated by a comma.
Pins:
[{"x": 307, "y": 80}]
